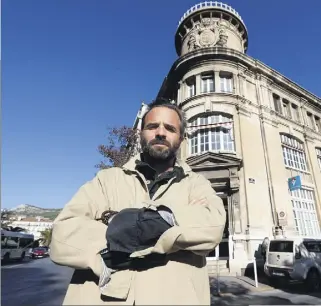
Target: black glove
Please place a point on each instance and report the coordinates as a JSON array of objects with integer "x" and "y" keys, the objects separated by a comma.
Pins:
[
  {"x": 134, "y": 229},
  {"x": 131, "y": 230}
]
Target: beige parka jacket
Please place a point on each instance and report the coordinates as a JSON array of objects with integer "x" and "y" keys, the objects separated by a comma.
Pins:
[{"x": 78, "y": 238}]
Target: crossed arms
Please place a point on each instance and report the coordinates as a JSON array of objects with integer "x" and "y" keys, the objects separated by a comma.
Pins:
[{"x": 78, "y": 238}]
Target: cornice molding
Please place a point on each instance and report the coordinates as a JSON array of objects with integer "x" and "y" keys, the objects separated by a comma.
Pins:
[
  {"x": 271, "y": 121},
  {"x": 252, "y": 66},
  {"x": 243, "y": 110},
  {"x": 308, "y": 134}
]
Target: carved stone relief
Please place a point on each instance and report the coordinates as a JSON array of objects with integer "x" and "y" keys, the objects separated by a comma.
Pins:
[{"x": 207, "y": 33}]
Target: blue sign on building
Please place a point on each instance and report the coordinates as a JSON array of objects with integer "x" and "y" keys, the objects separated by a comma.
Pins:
[{"x": 294, "y": 183}]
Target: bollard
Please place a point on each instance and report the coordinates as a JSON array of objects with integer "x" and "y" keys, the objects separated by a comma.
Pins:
[
  {"x": 255, "y": 272},
  {"x": 217, "y": 276}
]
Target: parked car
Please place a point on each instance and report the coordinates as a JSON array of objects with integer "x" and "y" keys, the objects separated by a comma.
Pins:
[
  {"x": 296, "y": 259},
  {"x": 40, "y": 252}
]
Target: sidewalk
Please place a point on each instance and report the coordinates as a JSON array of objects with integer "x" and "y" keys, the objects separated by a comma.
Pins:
[
  {"x": 236, "y": 291},
  {"x": 231, "y": 285}
]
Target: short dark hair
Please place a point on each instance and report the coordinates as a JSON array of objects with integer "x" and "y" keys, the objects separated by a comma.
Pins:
[{"x": 161, "y": 102}]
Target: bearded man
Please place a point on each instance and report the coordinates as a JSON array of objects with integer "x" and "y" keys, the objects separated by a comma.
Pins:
[{"x": 164, "y": 220}]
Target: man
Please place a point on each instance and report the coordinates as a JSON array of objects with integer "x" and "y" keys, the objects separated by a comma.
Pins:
[{"x": 155, "y": 178}]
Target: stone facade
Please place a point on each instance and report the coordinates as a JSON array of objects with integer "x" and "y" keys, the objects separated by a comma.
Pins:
[{"x": 250, "y": 129}]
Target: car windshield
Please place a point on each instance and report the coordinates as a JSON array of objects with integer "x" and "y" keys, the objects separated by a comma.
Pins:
[
  {"x": 39, "y": 249},
  {"x": 281, "y": 246}
]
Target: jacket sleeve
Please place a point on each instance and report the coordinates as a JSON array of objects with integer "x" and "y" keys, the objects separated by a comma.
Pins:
[
  {"x": 77, "y": 237},
  {"x": 199, "y": 227}
]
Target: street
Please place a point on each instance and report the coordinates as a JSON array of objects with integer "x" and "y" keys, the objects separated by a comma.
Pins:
[
  {"x": 33, "y": 283},
  {"x": 40, "y": 282}
]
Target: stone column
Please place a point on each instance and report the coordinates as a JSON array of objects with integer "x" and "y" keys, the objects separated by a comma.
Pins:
[
  {"x": 198, "y": 84},
  {"x": 217, "y": 87},
  {"x": 303, "y": 111},
  {"x": 179, "y": 93},
  {"x": 270, "y": 100},
  {"x": 236, "y": 226},
  {"x": 236, "y": 89},
  {"x": 242, "y": 84}
]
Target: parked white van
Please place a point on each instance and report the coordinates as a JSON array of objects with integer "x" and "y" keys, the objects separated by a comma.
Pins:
[{"x": 294, "y": 259}]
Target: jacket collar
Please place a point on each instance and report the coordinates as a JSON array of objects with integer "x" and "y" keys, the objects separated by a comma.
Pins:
[{"x": 132, "y": 163}]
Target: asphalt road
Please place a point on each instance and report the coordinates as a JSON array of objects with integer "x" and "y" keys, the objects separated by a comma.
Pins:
[
  {"x": 36, "y": 282},
  {"x": 42, "y": 283}
]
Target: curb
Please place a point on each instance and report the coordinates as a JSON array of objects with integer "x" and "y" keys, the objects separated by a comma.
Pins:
[
  {"x": 250, "y": 284},
  {"x": 246, "y": 283}
]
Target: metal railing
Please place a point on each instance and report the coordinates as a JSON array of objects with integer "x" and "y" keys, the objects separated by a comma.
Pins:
[{"x": 210, "y": 4}]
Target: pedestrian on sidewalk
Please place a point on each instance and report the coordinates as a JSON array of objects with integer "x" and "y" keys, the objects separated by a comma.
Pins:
[{"x": 162, "y": 220}]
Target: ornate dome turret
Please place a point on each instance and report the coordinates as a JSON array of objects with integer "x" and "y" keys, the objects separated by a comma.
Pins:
[{"x": 210, "y": 24}]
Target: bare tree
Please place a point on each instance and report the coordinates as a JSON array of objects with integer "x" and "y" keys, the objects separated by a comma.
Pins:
[{"x": 121, "y": 145}]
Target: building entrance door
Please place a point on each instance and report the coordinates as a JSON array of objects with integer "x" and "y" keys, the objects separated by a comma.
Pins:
[{"x": 222, "y": 250}]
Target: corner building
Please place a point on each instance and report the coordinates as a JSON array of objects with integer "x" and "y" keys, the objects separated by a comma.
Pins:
[{"x": 250, "y": 129}]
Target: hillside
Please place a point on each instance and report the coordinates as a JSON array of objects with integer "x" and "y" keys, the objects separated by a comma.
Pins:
[{"x": 31, "y": 210}]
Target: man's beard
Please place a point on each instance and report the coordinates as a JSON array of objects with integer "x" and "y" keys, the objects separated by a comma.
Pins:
[{"x": 159, "y": 154}]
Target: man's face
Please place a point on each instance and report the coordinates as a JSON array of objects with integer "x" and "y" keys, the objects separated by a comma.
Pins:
[{"x": 160, "y": 138}]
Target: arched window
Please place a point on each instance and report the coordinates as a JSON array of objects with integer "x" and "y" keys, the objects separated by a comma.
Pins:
[
  {"x": 293, "y": 153},
  {"x": 211, "y": 132}
]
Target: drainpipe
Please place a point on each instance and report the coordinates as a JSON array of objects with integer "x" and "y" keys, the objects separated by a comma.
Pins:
[
  {"x": 315, "y": 189},
  {"x": 245, "y": 193},
  {"x": 266, "y": 154}
]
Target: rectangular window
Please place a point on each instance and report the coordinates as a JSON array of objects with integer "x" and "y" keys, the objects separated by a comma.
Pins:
[
  {"x": 277, "y": 103},
  {"x": 317, "y": 124},
  {"x": 226, "y": 82},
  {"x": 286, "y": 108},
  {"x": 190, "y": 83},
  {"x": 207, "y": 83},
  {"x": 295, "y": 112},
  {"x": 12, "y": 242},
  {"x": 204, "y": 141},
  {"x": 194, "y": 144},
  {"x": 310, "y": 120},
  {"x": 191, "y": 90},
  {"x": 305, "y": 215},
  {"x": 216, "y": 139}
]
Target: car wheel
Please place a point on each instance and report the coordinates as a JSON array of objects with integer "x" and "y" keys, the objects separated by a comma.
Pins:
[
  {"x": 6, "y": 257},
  {"x": 22, "y": 256},
  {"x": 313, "y": 280}
]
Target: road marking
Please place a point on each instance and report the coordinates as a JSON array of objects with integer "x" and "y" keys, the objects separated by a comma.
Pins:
[{"x": 11, "y": 266}]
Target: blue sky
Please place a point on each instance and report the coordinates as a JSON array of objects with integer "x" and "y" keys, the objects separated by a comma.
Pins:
[{"x": 70, "y": 68}]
